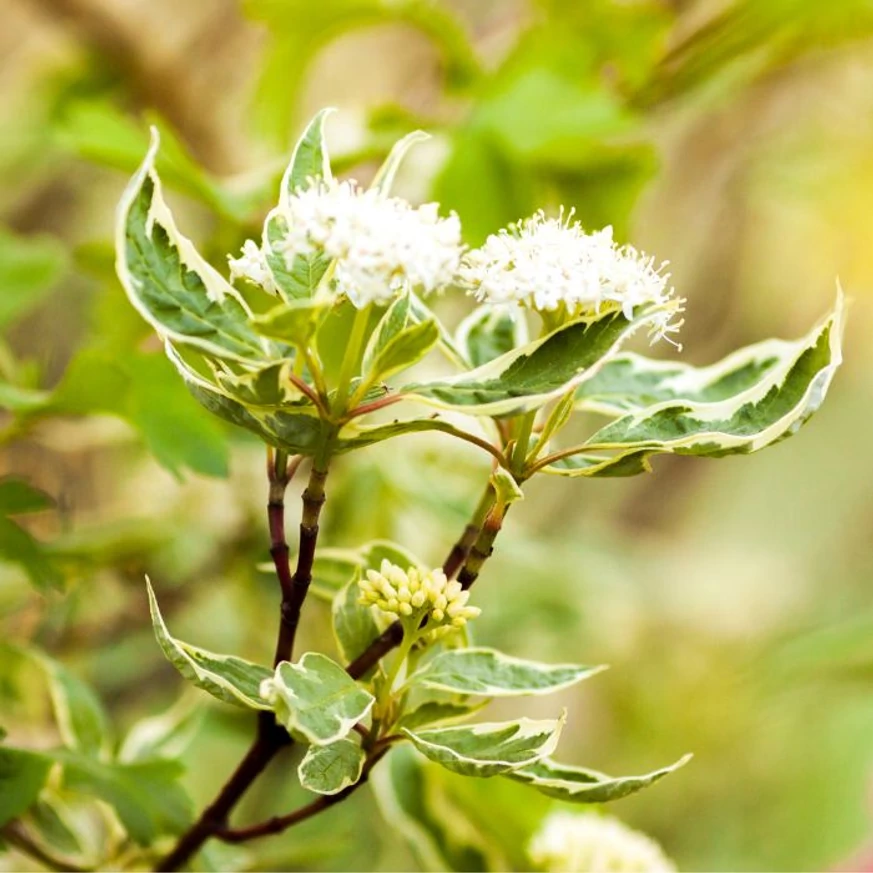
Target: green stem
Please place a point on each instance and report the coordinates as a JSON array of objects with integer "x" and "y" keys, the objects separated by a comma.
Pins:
[
  {"x": 410, "y": 635},
  {"x": 350, "y": 361},
  {"x": 317, "y": 375},
  {"x": 519, "y": 452},
  {"x": 483, "y": 547}
]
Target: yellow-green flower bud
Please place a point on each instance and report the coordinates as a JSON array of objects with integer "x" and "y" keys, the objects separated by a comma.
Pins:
[{"x": 407, "y": 593}]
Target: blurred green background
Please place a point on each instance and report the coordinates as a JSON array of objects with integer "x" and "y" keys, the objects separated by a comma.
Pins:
[{"x": 731, "y": 599}]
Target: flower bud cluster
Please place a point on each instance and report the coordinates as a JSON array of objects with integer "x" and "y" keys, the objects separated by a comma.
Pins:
[{"x": 413, "y": 593}]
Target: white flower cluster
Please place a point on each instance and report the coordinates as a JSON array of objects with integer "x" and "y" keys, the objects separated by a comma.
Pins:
[
  {"x": 546, "y": 263},
  {"x": 406, "y": 593},
  {"x": 252, "y": 265},
  {"x": 590, "y": 843},
  {"x": 381, "y": 245}
]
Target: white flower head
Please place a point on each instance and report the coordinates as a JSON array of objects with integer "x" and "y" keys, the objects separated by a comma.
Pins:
[
  {"x": 590, "y": 843},
  {"x": 413, "y": 593},
  {"x": 547, "y": 263},
  {"x": 381, "y": 245},
  {"x": 252, "y": 265}
]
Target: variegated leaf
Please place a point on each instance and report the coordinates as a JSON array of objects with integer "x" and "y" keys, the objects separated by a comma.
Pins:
[
  {"x": 298, "y": 433},
  {"x": 309, "y": 162},
  {"x": 630, "y": 382},
  {"x": 531, "y": 376},
  {"x": 317, "y": 699},
  {"x": 764, "y": 412},
  {"x": 225, "y": 677},
  {"x": 169, "y": 283},
  {"x": 490, "y": 748},
  {"x": 490, "y": 673},
  {"x": 264, "y": 386},
  {"x": 438, "y": 712},
  {"x": 578, "y": 785},
  {"x": 331, "y": 769}
]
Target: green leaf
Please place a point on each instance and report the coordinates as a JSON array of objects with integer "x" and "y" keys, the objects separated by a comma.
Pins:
[
  {"x": 17, "y": 546},
  {"x": 353, "y": 623},
  {"x": 578, "y": 785},
  {"x": 225, "y": 677},
  {"x": 330, "y": 769},
  {"x": 395, "y": 319},
  {"x": 762, "y": 413},
  {"x": 332, "y": 570},
  {"x": 490, "y": 332},
  {"x": 376, "y": 551},
  {"x": 22, "y": 776},
  {"x": 299, "y": 29},
  {"x": 490, "y": 748},
  {"x": 29, "y": 268},
  {"x": 143, "y": 391},
  {"x": 14, "y": 398},
  {"x": 101, "y": 132},
  {"x": 420, "y": 311},
  {"x": 294, "y": 322},
  {"x": 630, "y": 463},
  {"x": 383, "y": 181},
  {"x": 490, "y": 673},
  {"x": 316, "y": 698},
  {"x": 81, "y": 719},
  {"x": 396, "y": 344},
  {"x": 18, "y": 497},
  {"x": 359, "y": 437},
  {"x": 53, "y": 822},
  {"x": 404, "y": 790},
  {"x": 531, "y": 376},
  {"x": 174, "y": 289},
  {"x": 404, "y": 350},
  {"x": 146, "y": 795},
  {"x": 167, "y": 735}
]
